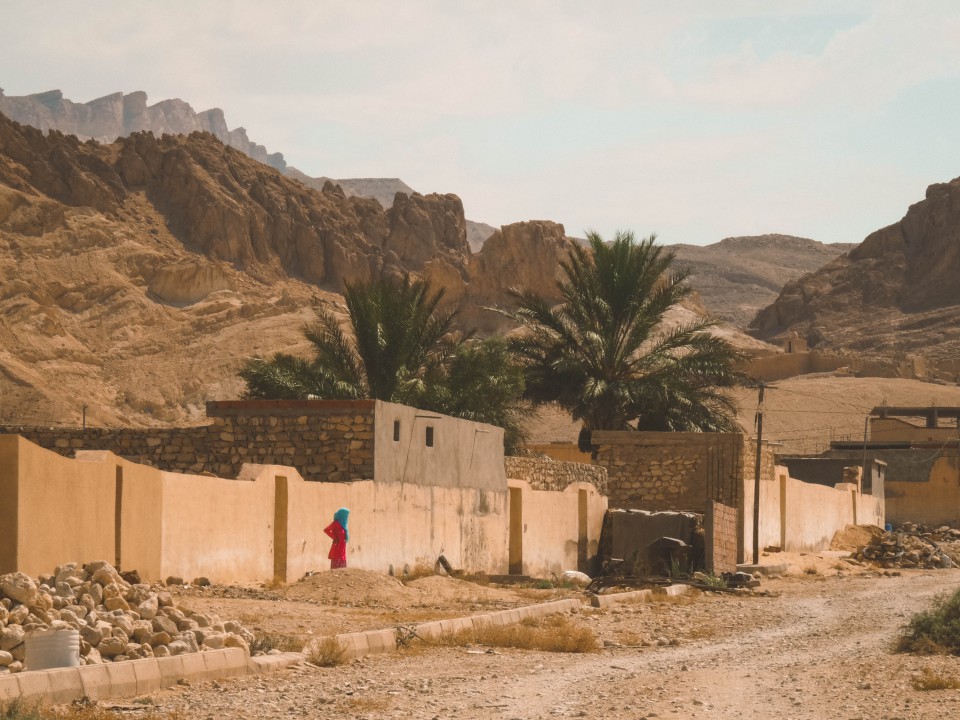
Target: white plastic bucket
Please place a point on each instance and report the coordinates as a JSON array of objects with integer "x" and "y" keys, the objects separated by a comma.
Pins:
[{"x": 46, "y": 649}]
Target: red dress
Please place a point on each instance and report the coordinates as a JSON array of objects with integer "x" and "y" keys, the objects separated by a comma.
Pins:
[{"x": 338, "y": 551}]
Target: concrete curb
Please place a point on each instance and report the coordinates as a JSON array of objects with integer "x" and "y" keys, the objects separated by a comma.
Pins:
[
  {"x": 141, "y": 677},
  {"x": 605, "y": 601},
  {"x": 128, "y": 678},
  {"x": 374, "y": 642}
]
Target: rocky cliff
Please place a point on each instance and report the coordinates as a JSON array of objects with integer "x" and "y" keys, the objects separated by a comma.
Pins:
[
  {"x": 896, "y": 292},
  {"x": 117, "y": 115},
  {"x": 136, "y": 276},
  {"x": 739, "y": 276}
]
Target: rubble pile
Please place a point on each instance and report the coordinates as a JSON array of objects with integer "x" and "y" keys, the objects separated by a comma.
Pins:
[
  {"x": 117, "y": 620},
  {"x": 913, "y": 546}
]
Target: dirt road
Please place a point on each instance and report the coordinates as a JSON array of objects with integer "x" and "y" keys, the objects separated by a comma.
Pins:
[{"x": 821, "y": 649}]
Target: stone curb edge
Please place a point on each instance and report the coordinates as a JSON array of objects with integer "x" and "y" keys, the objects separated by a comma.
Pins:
[
  {"x": 373, "y": 642},
  {"x": 140, "y": 677},
  {"x": 604, "y": 601},
  {"x": 127, "y": 678}
]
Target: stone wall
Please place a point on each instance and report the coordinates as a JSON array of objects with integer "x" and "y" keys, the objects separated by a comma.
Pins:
[
  {"x": 324, "y": 439},
  {"x": 545, "y": 473},
  {"x": 671, "y": 471},
  {"x": 720, "y": 538}
]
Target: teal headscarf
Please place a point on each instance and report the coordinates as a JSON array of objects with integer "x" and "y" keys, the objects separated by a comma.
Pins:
[{"x": 341, "y": 516}]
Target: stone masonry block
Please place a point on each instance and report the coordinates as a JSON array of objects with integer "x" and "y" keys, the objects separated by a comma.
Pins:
[
  {"x": 123, "y": 679},
  {"x": 194, "y": 667},
  {"x": 9, "y": 688},
  {"x": 65, "y": 685},
  {"x": 429, "y": 630},
  {"x": 35, "y": 686},
  {"x": 147, "y": 672},
  {"x": 171, "y": 670},
  {"x": 95, "y": 681}
]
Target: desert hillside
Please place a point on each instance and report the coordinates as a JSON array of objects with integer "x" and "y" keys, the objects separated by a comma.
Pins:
[
  {"x": 135, "y": 277},
  {"x": 896, "y": 292},
  {"x": 739, "y": 276}
]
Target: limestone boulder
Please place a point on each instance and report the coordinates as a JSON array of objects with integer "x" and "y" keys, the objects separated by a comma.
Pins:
[{"x": 19, "y": 587}]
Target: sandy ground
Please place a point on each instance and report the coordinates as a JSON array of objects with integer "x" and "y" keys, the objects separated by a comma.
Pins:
[{"x": 819, "y": 646}]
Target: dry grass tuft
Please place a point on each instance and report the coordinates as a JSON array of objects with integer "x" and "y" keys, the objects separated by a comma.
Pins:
[
  {"x": 326, "y": 652},
  {"x": 264, "y": 642},
  {"x": 366, "y": 704},
  {"x": 930, "y": 680},
  {"x": 555, "y": 633},
  {"x": 419, "y": 571},
  {"x": 275, "y": 584},
  {"x": 79, "y": 710}
]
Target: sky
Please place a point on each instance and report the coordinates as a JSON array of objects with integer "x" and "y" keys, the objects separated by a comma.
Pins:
[{"x": 695, "y": 120}]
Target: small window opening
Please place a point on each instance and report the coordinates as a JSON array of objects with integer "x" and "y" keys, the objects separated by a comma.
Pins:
[
  {"x": 396, "y": 431},
  {"x": 429, "y": 436}
]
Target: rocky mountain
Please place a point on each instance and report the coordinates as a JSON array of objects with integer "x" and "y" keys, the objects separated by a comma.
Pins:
[
  {"x": 739, "y": 276},
  {"x": 136, "y": 276},
  {"x": 118, "y": 115},
  {"x": 896, "y": 292},
  {"x": 384, "y": 190}
]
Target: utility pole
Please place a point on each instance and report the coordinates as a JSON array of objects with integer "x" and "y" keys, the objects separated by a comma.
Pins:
[{"x": 756, "y": 478}]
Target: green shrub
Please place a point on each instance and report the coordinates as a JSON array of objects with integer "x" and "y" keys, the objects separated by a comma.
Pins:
[{"x": 936, "y": 630}]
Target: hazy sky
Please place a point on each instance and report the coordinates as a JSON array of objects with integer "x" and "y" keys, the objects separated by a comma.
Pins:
[{"x": 694, "y": 120}]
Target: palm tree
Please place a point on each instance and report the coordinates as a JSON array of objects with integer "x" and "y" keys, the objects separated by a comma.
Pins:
[
  {"x": 401, "y": 348},
  {"x": 398, "y": 334},
  {"x": 602, "y": 355}
]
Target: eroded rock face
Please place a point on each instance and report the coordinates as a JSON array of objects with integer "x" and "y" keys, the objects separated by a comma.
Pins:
[
  {"x": 423, "y": 227},
  {"x": 898, "y": 291},
  {"x": 523, "y": 255},
  {"x": 117, "y": 115}
]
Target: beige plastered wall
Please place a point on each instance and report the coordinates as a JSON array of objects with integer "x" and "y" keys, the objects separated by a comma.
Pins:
[
  {"x": 464, "y": 453},
  {"x": 63, "y": 509},
  {"x": 934, "y": 502},
  {"x": 396, "y": 525},
  {"x": 803, "y": 517},
  {"x": 552, "y": 530}
]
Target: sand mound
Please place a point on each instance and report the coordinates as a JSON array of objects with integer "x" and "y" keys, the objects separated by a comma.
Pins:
[
  {"x": 441, "y": 588},
  {"x": 853, "y": 537},
  {"x": 350, "y": 586}
]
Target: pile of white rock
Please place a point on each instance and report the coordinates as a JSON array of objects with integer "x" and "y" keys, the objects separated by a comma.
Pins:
[{"x": 117, "y": 620}]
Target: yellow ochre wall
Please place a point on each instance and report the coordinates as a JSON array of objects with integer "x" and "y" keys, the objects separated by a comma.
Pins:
[
  {"x": 269, "y": 521},
  {"x": 551, "y": 526},
  {"x": 803, "y": 517},
  {"x": 934, "y": 502}
]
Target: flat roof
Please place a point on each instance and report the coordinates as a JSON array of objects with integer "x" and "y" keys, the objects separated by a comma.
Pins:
[{"x": 917, "y": 411}]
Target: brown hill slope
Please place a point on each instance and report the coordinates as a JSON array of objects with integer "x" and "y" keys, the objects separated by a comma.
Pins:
[
  {"x": 135, "y": 277},
  {"x": 898, "y": 291},
  {"x": 738, "y": 276}
]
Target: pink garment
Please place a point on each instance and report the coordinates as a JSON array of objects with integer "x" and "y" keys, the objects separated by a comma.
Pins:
[{"x": 338, "y": 551}]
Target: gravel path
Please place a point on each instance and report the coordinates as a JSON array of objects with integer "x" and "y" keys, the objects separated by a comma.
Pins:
[{"x": 819, "y": 650}]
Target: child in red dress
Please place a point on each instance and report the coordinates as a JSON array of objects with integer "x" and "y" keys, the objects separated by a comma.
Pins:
[{"x": 338, "y": 531}]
